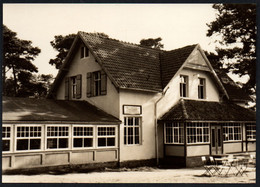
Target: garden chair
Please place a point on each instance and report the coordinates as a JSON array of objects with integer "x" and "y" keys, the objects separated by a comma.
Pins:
[
  {"x": 243, "y": 164},
  {"x": 252, "y": 160},
  {"x": 209, "y": 167}
]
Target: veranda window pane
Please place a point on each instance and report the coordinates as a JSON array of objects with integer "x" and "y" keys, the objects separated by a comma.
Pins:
[
  {"x": 35, "y": 144},
  {"x": 22, "y": 144},
  {"x": 101, "y": 142},
  {"x": 88, "y": 142},
  {"x": 6, "y": 145},
  {"x": 63, "y": 142},
  {"x": 52, "y": 143},
  {"x": 77, "y": 142},
  {"x": 110, "y": 141}
]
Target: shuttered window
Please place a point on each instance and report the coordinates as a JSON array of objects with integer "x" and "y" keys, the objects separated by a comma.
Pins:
[
  {"x": 96, "y": 83},
  {"x": 78, "y": 86},
  {"x": 73, "y": 87}
]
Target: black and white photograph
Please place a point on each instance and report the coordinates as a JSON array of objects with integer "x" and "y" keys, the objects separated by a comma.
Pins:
[{"x": 129, "y": 92}]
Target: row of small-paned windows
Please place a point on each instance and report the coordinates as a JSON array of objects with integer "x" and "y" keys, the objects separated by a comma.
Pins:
[
  {"x": 199, "y": 132},
  {"x": 96, "y": 85},
  {"x": 251, "y": 131},
  {"x": 132, "y": 130},
  {"x": 58, "y": 137},
  {"x": 232, "y": 131},
  {"x": 184, "y": 87}
]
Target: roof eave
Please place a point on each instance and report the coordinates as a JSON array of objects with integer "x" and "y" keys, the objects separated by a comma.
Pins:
[
  {"x": 140, "y": 89},
  {"x": 61, "y": 122},
  {"x": 63, "y": 70}
]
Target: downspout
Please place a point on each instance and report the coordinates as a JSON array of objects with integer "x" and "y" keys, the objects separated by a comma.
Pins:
[{"x": 156, "y": 132}]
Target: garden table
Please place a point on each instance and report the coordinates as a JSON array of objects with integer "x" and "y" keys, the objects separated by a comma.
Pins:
[{"x": 227, "y": 164}]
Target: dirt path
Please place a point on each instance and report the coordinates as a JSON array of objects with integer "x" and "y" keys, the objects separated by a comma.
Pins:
[{"x": 143, "y": 175}]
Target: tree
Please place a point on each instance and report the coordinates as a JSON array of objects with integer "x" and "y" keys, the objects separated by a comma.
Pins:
[
  {"x": 236, "y": 27},
  {"x": 152, "y": 43},
  {"x": 17, "y": 56},
  {"x": 62, "y": 44},
  {"x": 33, "y": 85}
]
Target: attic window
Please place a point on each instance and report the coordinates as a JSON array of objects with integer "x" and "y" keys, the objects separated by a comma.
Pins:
[
  {"x": 184, "y": 86},
  {"x": 202, "y": 88},
  {"x": 84, "y": 52}
]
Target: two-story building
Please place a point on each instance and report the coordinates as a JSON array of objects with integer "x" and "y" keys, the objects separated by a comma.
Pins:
[{"x": 122, "y": 104}]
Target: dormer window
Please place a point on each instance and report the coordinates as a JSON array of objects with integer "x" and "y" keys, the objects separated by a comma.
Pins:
[
  {"x": 202, "y": 88},
  {"x": 84, "y": 52},
  {"x": 183, "y": 86}
]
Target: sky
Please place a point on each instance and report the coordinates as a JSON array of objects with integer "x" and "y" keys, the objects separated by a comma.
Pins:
[{"x": 177, "y": 24}]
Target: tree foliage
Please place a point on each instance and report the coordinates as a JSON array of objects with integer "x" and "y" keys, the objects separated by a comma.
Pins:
[
  {"x": 152, "y": 43},
  {"x": 62, "y": 44},
  {"x": 17, "y": 56},
  {"x": 235, "y": 25}
]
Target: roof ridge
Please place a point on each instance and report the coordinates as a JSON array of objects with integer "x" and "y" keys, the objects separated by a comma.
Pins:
[
  {"x": 185, "y": 114},
  {"x": 182, "y": 47},
  {"x": 121, "y": 41}
]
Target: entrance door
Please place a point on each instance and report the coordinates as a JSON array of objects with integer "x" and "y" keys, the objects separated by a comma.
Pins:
[{"x": 216, "y": 140}]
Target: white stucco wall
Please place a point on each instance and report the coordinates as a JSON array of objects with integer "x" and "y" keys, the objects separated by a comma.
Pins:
[
  {"x": 172, "y": 95},
  {"x": 109, "y": 103},
  {"x": 146, "y": 150}
]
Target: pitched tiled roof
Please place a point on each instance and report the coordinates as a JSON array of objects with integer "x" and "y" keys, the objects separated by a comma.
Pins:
[
  {"x": 171, "y": 61},
  {"x": 26, "y": 109},
  {"x": 208, "y": 111},
  {"x": 130, "y": 66},
  {"x": 233, "y": 90}
]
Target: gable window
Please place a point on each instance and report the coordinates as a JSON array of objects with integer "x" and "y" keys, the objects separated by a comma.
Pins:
[
  {"x": 28, "y": 138},
  {"x": 202, "y": 88},
  {"x": 57, "y": 137},
  {"x": 96, "y": 83},
  {"x": 251, "y": 131},
  {"x": 6, "y": 138},
  {"x": 84, "y": 52},
  {"x": 82, "y": 137},
  {"x": 73, "y": 87},
  {"x": 132, "y": 130},
  {"x": 106, "y": 136},
  {"x": 174, "y": 133},
  {"x": 183, "y": 86}
]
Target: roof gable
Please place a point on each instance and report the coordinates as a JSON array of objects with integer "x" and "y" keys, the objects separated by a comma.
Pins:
[
  {"x": 197, "y": 61},
  {"x": 172, "y": 61}
]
